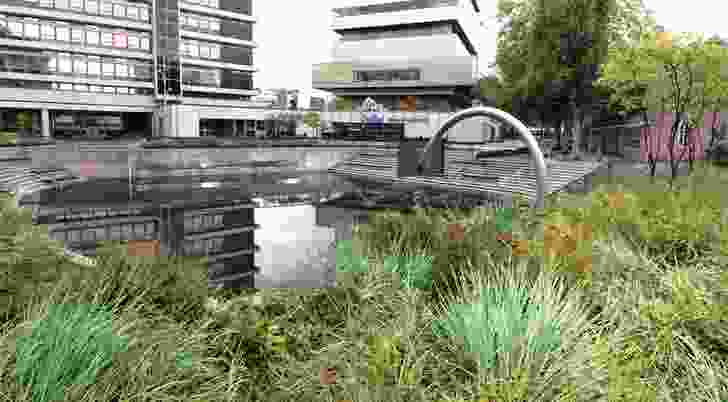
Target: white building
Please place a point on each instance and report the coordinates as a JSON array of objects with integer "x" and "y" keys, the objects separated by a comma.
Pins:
[
  {"x": 168, "y": 67},
  {"x": 409, "y": 56}
]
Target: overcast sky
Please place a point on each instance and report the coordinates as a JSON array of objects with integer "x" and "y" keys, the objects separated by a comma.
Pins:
[{"x": 293, "y": 35}]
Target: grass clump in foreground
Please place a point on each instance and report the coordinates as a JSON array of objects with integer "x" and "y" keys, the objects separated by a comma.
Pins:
[{"x": 622, "y": 298}]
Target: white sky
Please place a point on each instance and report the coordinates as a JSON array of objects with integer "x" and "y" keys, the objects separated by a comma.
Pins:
[{"x": 294, "y": 35}]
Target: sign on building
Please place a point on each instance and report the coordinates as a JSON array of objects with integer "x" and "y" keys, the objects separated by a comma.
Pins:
[
  {"x": 336, "y": 72},
  {"x": 119, "y": 39}
]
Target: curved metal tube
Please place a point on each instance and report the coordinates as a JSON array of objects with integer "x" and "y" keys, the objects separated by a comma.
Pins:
[{"x": 498, "y": 114}]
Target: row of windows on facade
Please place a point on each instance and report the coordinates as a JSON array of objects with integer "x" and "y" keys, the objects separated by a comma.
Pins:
[
  {"x": 96, "y": 213},
  {"x": 117, "y": 9},
  {"x": 199, "y": 223},
  {"x": 393, "y": 7},
  {"x": 408, "y": 32},
  {"x": 33, "y": 29},
  {"x": 62, "y": 86},
  {"x": 134, "y": 232},
  {"x": 123, "y": 69},
  {"x": 387, "y": 75},
  {"x": 137, "y": 12}
]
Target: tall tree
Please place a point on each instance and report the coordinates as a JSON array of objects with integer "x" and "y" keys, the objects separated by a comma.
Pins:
[{"x": 549, "y": 51}]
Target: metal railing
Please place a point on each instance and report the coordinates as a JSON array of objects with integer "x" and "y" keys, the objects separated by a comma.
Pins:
[{"x": 435, "y": 144}]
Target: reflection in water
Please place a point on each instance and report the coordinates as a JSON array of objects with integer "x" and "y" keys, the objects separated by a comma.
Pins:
[{"x": 290, "y": 245}]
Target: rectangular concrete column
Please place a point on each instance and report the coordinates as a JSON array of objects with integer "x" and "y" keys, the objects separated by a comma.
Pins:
[{"x": 45, "y": 123}]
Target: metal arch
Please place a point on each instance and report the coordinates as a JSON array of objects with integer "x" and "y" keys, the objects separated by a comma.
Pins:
[{"x": 500, "y": 115}]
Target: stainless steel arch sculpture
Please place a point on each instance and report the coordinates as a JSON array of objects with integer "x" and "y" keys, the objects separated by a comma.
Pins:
[{"x": 425, "y": 161}]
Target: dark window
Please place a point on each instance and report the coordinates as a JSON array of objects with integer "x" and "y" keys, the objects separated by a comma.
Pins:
[
  {"x": 237, "y": 80},
  {"x": 236, "y": 55},
  {"x": 201, "y": 77},
  {"x": 237, "y": 6},
  {"x": 237, "y": 29},
  {"x": 387, "y": 75}
]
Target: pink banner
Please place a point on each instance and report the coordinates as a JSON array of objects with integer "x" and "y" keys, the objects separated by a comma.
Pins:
[{"x": 656, "y": 139}]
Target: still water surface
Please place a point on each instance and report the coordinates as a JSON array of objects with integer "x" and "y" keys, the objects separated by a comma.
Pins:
[{"x": 255, "y": 230}]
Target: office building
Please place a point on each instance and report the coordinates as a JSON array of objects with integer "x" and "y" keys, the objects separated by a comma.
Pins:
[
  {"x": 123, "y": 67},
  {"x": 415, "y": 55}
]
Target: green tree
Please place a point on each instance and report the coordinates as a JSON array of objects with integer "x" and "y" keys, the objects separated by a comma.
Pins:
[
  {"x": 312, "y": 120},
  {"x": 548, "y": 51},
  {"x": 678, "y": 78},
  {"x": 714, "y": 82}
]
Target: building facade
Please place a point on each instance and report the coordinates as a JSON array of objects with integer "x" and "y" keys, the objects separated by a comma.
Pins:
[
  {"x": 408, "y": 56},
  {"x": 129, "y": 67}
]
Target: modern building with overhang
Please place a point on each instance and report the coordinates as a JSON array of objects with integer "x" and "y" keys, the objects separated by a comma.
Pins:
[
  {"x": 124, "y": 67},
  {"x": 407, "y": 56}
]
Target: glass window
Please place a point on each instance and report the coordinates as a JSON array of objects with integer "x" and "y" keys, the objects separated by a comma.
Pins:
[
  {"x": 3, "y": 21},
  {"x": 119, "y": 10},
  {"x": 193, "y": 49},
  {"x": 62, "y": 34},
  {"x": 122, "y": 91},
  {"x": 77, "y": 5},
  {"x": 94, "y": 88},
  {"x": 92, "y": 6},
  {"x": 215, "y": 26},
  {"x": 107, "y": 7},
  {"x": 205, "y": 51},
  {"x": 132, "y": 12},
  {"x": 215, "y": 51},
  {"x": 62, "y": 4},
  {"x": 65, "y": 87},
  {"x": 77, "y": 35},
  {"x": 92, "y": 38},
  {"x": 122, "y": 70},
  {"x": 133, "y": 42},
  {"x": 213, "y": 3},
  {"x": 46, "y": 3},
  {"x": 48, "y": 32},
  {"x": 15, "y": 27},
  {"x": 109, "y": 90},
  {"x": 107, "y": 38},
  {"x": 64, "y": 64},
  {"x": 144, "y": 14},
  {"x": 204, "y": 24},
  {"x": 108, "y": 69},
  {"x": 80, "y": 66},
  {"x": 94, "y": 67},
  {"x": 80, "y": 87},
  {"x": 144, "y": 43},
  {"x": 192, "y": 21},
  {"x": 32, "y": 30},
  {"x": 52, "y": 64}
]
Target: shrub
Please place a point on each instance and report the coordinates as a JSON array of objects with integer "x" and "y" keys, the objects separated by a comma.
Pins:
[
  {"x": 492, "y": 325},
  {"x": 70, "y": 346}
]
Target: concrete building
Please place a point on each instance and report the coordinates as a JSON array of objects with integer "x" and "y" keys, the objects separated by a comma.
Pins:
[
  {"x": 407, "y": 56},
  {"x": 125, "y": 67}
]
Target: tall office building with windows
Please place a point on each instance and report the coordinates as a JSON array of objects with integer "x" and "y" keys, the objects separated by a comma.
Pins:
[
  {"x": 115, "y": 67},
  {"x": 413, "y": 55}
]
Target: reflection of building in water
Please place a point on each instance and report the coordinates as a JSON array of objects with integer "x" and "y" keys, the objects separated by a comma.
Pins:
[{"x": 224, "y": 234}]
